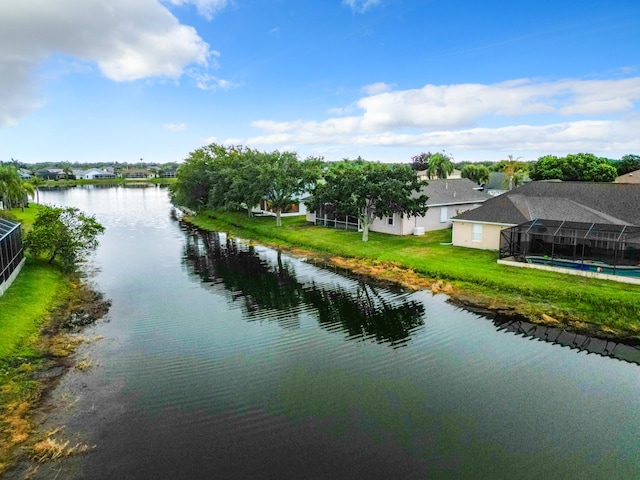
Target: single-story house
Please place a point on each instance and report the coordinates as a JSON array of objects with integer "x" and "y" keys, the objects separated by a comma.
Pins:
[
  {"x": 581, "y": 202},
  {"x": 93, "y": 174},
  {"x": 138, "y": 173},
  {"x": 25, "y": 174},
  {"x": 52, "y": 174},
  {"x": 631, "y": 177},
  {"x": 447, "y": 198}
]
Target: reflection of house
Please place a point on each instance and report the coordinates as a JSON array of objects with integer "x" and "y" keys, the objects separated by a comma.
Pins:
[
  {"x": 447, "y": 198},
  {"x": 93, "y": 174},
  {"x": 138, "y": 173},
  {"x": 583, "y": 202},
  {"x": 11, "y": 252},
  {"x": 631, "y": 177}
]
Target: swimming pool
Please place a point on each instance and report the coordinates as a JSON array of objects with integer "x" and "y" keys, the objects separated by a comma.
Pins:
[{"x": 588, "y": 266}]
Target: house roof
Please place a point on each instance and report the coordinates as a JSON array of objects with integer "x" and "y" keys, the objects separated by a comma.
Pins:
[
  {"x": 6, "y": 227},
  {"x": 631, "y": 177},
  {"x": 612, "y": 203},
  {"x": 453, "y": 191}
]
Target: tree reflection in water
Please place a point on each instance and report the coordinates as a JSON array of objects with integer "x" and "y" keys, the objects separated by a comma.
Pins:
[{"x": 265, "y": 285}]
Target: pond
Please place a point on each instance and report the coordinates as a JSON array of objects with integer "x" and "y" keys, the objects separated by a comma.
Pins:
[{"x": 224, "y": 359}]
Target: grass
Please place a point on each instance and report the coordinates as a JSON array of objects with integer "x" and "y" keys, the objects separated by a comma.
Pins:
[
  {"x": 602, "y": 307},
  {"x": 26, "y": 308}
]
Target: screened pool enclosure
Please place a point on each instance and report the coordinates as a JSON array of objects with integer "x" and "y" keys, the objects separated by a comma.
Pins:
[
  {"x": 602, "y": 248},
  {"x": 11, "y": 252}
]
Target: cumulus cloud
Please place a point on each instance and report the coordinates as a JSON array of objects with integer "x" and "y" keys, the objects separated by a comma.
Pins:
[
  {"x": 568, "y": 115},
  {"x": 127, "y": 40}
]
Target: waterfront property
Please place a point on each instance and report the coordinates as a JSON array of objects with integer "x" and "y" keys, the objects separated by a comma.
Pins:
[
  {"x": 11, "y": 252},
  {"x": 581, "y": 202},
  {"x": 447, "y": 198}
]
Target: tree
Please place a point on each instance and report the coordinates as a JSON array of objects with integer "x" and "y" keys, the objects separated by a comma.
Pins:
[
  {"x": 36, "y": 182},
  {"x": 476, "y": 173},
  {"x": 193, "y": 178},
  {"x": 12, "y": 188},
  {"x": 286, "y": 177},
  {"x": 628, "y": 163},
  {"x": 63, "y": 233},
  {"x": 579, "y": 167},
  {"x": 369, "y": 190},
  {"x": 439, "y": 166},
  {"x": 421, "y": 162}
]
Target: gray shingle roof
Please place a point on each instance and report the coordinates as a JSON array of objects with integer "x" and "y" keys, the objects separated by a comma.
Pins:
[
  {"x": 575, "y": 201},
  {"x": 453, "y": 191}
]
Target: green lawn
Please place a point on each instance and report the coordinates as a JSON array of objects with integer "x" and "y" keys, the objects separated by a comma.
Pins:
[
  {"x": 476, "y": 274},
  {"x": 26, "y": 304}
]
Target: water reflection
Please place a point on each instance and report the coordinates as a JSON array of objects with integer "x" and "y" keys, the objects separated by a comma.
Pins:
[{"x": 264, "y": 284}]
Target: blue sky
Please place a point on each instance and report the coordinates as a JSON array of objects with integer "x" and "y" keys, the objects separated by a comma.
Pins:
[{"x": 121, "y": 80}]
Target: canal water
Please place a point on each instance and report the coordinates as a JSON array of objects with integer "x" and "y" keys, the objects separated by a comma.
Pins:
[{"x": 223, "y": 359}]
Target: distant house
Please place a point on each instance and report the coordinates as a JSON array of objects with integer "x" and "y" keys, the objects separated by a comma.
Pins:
[
  {"x": 447, "y": 198},
  {"x": 94, "y": 174},
  {"x": 580, "y": 202},
  {"x": 25, "y": 174},
  {"x": 631, "y": 177},
  {"x": 138, "y": 173},
  {"x": 11, "y": 252},
  {"x": 52, "y": 174},
  {"x": 170, "y": 173}
]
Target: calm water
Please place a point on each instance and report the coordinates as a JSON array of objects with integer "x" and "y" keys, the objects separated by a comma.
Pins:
[{"x": 224, "y": 360}]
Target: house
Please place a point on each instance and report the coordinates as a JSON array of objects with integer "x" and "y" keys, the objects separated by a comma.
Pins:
[
  {"x": 423, "y": 175},
  {"x": 94, "y": 174},
  {"x": 11, "y": 252},
  {"x": 297, "y": 208},
  {"x": 24, "y": 174},
  {"x": 138, "y": 173},
  {"x": 580, "y": 202},
  {"x": 447, "y": 198},
  {"x": 52, "y": 174},
  {"x": 631, "y": 177}
]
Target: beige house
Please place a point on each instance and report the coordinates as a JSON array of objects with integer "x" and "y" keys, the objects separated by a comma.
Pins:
[{"x": 584, "y": 202}]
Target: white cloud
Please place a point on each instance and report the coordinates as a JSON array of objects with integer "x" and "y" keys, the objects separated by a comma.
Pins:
[
  {"x": 175, "y": 127},
  {"x": 376, "y": 88},
  {"x": 567, "y": 115},
  {"x": 128, "y": 40},
  {"x": 204, "y": 81},
  {"x": 206, "y": 8},
  {"x": 361, "y": 6}
]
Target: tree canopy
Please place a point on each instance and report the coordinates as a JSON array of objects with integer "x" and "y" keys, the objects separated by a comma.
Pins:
[
  {"x": 475, "y": 173},
  {"x": 13, "y": 190},
  {"x": 628, "y": 163},
  {"x": 235, "y": 178},
  {"x": 369, "y": 190},
  {"x": 578, "y": 167},
  {"x": 439, "y": 166},
  {"x": 63, "y": 233}
]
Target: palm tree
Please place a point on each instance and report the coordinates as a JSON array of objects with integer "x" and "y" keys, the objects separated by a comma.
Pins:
[
  {"x": 37, "y": 182},
  {"x": 440, "y": 166},
  {"x": 10, "y": 184}
]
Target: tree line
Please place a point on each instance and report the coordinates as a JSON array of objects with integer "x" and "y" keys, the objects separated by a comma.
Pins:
[
  {"x": 235, "y": 178},
  {"x": 585, "y": 167}
]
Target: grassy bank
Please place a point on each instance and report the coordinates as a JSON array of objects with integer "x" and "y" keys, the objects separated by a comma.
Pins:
[
  {"x": 471, "y": 277},
  {"x": 31, "y": 311},
  {"x": 108, "y": 182}
]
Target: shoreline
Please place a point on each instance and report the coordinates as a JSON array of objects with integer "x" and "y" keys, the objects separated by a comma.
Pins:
[
  {"x": 471, "y": 297},
  {"x": 24, "y": 444}
]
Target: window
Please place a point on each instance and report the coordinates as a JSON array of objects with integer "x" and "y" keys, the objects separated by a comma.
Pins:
[
  {"x": 390, "y": 220},
  {"x": 476, "y": 232},
  {"x": 444, "y": 214}
]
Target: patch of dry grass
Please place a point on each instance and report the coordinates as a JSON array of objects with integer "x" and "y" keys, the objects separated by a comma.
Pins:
[{"x": 51, "y": 449}]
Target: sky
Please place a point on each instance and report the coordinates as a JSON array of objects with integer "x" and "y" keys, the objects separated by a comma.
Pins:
[{"x": 124, "y": 80}]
